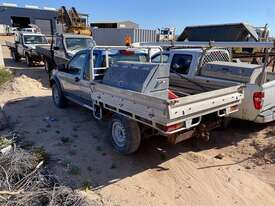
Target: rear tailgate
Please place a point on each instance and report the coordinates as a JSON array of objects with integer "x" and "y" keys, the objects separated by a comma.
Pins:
[
  {"x": 269, "y": 94},
  {"x": 267, "y": 113},
  {"x": 154, "y": 111},
  {"x": 222, "y": 101}
]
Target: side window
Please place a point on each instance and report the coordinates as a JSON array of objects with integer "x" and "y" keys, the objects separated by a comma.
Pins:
[
  {"x": 181, "y": 63},
  {"x": 77, "y": 63},
  {"x": 156, "y": 58}
]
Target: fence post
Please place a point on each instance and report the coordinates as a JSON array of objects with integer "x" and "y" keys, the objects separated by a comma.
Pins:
[{"x": 1, "y": 57}]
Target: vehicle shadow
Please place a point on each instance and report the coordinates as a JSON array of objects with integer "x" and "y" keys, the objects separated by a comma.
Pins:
[
  {"x": 21, "y": 68},
  {"x": 237, "y": 131},
  {"x": 79, "y": 146}
]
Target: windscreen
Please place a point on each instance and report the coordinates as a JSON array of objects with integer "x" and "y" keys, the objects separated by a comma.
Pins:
[
  {"x": 34, "y": 39},
  {"x": 164, "y": 32},
  {"x": 136, "y": 57},
  {"x": 74, "y": 44}
]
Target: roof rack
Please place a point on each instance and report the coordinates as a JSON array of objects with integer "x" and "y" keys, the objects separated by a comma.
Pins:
[{"x": 202, "y": 44}]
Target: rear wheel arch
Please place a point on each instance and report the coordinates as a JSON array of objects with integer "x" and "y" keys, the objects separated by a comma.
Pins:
[{"x": 57, "y": 94}]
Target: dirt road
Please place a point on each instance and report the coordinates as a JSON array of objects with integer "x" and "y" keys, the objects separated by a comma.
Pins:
[{"x": 159, "y": 174}]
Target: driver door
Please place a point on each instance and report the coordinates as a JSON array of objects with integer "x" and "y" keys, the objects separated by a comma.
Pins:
[
  {"x": 59, "y": 51},
  {"x": 70, "y": 78}
]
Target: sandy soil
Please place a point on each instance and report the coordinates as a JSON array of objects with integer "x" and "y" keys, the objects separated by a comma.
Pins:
[{"x": 243, "y": 172}]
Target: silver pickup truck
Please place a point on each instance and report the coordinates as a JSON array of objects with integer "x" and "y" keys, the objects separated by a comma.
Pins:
[
  {"x": 138, "y": 98},
  {"x": 205, "y": 70},
  {"x": 25, "y": 45},
  {"x": 62, "y": 48}
]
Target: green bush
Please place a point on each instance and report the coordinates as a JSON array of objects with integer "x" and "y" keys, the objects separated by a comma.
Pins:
[{"x": 5, "y": 76}]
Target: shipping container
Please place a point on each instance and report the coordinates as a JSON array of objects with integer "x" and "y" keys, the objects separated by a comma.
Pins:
[{"x": 121, "y": 36}]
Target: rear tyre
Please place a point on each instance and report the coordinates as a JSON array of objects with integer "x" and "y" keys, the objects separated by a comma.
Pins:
[
  {"x": 15, "y": 56},
  {"x": 29, "y": 60},
  {"x": 125, "y": 135},
  {"x": 58, "y": 96}
]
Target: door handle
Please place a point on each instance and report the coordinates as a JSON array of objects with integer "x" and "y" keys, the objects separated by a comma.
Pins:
[{"x": 76, "y": 79}]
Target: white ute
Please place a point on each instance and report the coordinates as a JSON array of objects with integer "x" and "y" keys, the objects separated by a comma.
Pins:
[
  {"x": 210, "y": 67},
  {"x": 138, "y": 98}
]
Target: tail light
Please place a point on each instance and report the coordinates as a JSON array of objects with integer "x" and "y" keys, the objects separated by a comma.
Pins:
[
  {"x": 170, "y": 128},
  {"x": 258, "y": 98}
]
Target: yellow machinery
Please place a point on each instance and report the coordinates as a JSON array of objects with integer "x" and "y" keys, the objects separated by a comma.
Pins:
[{"x": 72, "y": 22}]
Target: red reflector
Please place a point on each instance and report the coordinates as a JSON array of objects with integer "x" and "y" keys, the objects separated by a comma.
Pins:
[
  {"x": 125, "y": 52},
  {"x": 258, "y": 98}
]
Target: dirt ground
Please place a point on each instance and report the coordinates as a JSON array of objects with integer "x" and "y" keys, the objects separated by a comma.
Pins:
[{"x": 236, "y": 167}]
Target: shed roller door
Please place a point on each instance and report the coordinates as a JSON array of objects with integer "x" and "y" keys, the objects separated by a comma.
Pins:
[{"x": 44, "y": 25}]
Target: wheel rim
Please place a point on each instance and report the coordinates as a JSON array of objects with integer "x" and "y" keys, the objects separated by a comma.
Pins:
[
  {"x": 118, "y": 134},
  {"x": 55, "y": 95}
]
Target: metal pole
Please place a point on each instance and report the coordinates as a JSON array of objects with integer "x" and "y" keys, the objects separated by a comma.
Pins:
[
  {"x": 204, "y": 44},
  {"x": 52, "y": 51},
  {"x": 1, "y": 57},
  {"x": 107, "y": 58},
  {"x": 92, "y": 64},
  {"x": 265, "y": 66}
]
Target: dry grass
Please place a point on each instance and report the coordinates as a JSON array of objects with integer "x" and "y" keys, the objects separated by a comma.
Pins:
[
  {"x": 5, "y": 76},
  {"x": 23, "y": 182}
]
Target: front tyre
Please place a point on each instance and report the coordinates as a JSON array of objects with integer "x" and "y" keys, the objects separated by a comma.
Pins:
[
  {"x": 58, "y": 97},
  {"x": 125, "y": 135}
]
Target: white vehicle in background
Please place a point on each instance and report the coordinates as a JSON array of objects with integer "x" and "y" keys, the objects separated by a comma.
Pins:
[
  {"x": 207, "y": 69},
  {"x": 32, "y": 30},
  {"x": 25, "y": 45},
  {"x": 62, "y": 48},
  {"x": 13, "y": 30},
  {"x": 167, "y": 34}
]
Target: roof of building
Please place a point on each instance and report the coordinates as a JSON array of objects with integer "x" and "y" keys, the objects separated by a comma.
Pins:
[{"x": 34, "y": 7}]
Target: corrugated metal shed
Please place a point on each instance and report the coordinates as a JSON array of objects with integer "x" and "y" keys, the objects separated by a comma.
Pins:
[
  {"x": 116, "y": 37},
  {"x": 13, "y": 16}
]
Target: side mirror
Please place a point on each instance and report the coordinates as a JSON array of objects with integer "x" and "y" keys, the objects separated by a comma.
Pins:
[{"x": 56, "y": 48}]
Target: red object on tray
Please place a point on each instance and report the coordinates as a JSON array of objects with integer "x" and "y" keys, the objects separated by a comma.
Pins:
[{"x": 172, "y": 95}]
